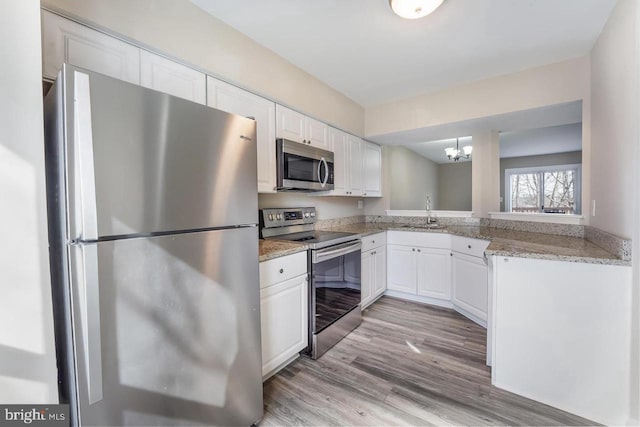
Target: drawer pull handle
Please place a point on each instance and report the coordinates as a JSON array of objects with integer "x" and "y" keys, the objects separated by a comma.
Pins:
[{"x": 281, "y": 270}]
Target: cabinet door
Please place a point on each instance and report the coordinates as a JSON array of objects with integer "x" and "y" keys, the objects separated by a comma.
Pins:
[
  {"x": 66, "y": 41},
  {"x": 372, "y": 181},
  {"x": 434, "y": 273},
  {"x": 290, "y": 124},
  {"x": 470, "y": 284},
  {"x": 317, "y": 133},
  {"x": 367, "y": 278},
  {"x": 380, "y": 263},
  {"x": 355, "y": 165},
  {"x": 338, "y": 144},
  {"x": 283, "y": 314},
  {"x": 167, "y": 76},
  {"x": 401, "y": 267},
  {"x": 234, "y": 100}
]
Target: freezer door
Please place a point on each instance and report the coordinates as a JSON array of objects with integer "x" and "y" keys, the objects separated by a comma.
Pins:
[
  {"x": 141, "y": 161},
  {"x": 167, "y": 329}
]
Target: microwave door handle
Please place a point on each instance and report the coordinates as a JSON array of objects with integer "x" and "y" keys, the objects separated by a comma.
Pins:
[
  {"x": 319, "y": 178},
  {"x": 326, "y": 172}
]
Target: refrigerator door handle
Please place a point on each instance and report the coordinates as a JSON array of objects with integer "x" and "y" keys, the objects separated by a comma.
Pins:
[
  {"x": 85, "y": 180},
  {"x": 89, "y": 288}
]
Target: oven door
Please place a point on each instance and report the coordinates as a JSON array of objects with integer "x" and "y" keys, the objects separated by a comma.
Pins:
[
  {"x": 335, "y": 279},
  {"x": 301, "y": 167}
]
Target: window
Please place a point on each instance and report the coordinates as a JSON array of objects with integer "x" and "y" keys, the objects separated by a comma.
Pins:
[{"x": 548, "y": 189}]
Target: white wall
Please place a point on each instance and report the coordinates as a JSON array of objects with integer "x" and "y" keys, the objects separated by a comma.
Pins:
[
  {"x": 181, "y": 30},
  {"x": 27, "y": 353},
  {"x": 485, "y": 173},
  {"x": 614, "y": 119},
  {"x": 615, "y": 157},
  {"x": 411, "y": 177},
  {"x": 537, "y": 87}
]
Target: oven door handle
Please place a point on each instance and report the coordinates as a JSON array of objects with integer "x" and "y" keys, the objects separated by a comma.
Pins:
[{"x": 321, "y": 255}]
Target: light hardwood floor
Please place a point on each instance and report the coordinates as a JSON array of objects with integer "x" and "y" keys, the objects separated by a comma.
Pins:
[{"x": 407, "y": 364}]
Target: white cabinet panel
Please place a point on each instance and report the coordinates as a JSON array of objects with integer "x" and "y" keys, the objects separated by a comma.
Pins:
[
  {"x": 338, "y": 144},
  {"x": 470, "y": 283},
  {"x": 380, "y": 264},
  {"x": 468, "y": 246},
  {"x": 401, "y": 267},
  {"x": 367, "y": 277},
  {"x": 170, "y": 77},
  {"x": 284, "y": 268},
  {"x": 372, "y": 171},
  {"x": 373, "y": 241},
  {"x": 317, "y": 133},
  {"x": 66, "y": 41},
  {"x": 290, "y": 124},
  {"x": 355, "y": 165},
  {"x": 434, "y": 273},
  {"x": 418, "y": 238},
  {"x": 234, "y": 100},
  {"x": 283, "y": 314}
]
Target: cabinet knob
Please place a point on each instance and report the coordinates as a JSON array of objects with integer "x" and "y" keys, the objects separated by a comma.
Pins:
[
  {"x": 418, "y": 250},
  {"x": 469, "y": 246},
  {"x": 365, "y": 194},
  {"x": 373, "y": 242},
  {"x": 413, "y": 249},
  {"x": 281, "y": 270}
]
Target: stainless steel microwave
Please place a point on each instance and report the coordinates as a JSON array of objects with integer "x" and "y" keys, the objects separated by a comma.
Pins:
[{"x": 303, "y": 168}]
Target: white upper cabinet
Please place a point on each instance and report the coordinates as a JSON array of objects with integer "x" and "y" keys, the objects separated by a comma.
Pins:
[
  {"x": 66, "y": 41},
  {"x": 234, "y": 100},
  {"x": 170, "y": 77},
  {"x": 297, "y": 127},
  {"x": 317, "y": 133},
  {"x": 355, "y": 165},
  {"x": 290, "y": 124},
  {"x": 372, "y": 171},
  {"x": 338, "y": 144},
  {"x": 347, "y": 163}
]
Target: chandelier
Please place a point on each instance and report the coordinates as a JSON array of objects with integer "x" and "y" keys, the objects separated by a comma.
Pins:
[{"x": 456, "y": 154}]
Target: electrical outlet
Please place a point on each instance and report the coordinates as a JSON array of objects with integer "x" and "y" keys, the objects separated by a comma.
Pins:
[
  {"x": 593, "y": 208},
  {"x": 360, "y": 204}
]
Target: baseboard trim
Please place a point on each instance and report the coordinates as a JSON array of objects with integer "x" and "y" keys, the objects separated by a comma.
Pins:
[
  {"x": 418, "y": 298},
  {"x": 280, "y": 367},
  {"x": 472, "y": 317}
]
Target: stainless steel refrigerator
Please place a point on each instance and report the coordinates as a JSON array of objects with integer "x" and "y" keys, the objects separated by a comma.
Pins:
[{"x": 153, "y": 216}]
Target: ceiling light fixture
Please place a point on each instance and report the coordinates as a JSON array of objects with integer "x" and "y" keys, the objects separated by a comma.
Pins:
[
  {"x": 414, "y": 9},
  {"x": 456, "y": 154}
]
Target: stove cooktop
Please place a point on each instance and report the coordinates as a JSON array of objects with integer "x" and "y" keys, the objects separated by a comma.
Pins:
[{"x": 318, "y": 239}]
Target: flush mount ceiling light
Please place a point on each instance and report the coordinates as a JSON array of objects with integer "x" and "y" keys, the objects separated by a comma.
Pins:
[
  {"x": 456, "y": 154},
  {"x": 414, "y": 9}
]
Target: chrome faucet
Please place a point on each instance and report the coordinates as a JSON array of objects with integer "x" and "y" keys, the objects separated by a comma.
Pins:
[{"x": 430, "y": 220}]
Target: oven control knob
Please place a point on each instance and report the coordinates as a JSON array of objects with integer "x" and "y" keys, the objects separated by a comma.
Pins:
[
  {"x": 313, "y": 214},
  {"x": 307, "y": 214},
  {"x": 279, "y": 216},
  {"x": 270, "y": 217}
]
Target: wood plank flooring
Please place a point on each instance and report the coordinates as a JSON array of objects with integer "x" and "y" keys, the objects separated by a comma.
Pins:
[{"x": 407, "y": 364}]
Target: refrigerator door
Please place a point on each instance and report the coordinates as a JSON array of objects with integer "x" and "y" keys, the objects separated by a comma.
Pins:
[
  {"x": 141, "y": 161},
  {"x": 167, "y": 329}
]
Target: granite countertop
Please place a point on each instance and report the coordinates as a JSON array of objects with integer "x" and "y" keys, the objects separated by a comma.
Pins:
[
  {"x": 270, "y": 249},
  {"x": 521, "y": 244}
]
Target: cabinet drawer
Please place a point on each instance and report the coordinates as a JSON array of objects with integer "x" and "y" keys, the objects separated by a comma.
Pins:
[
  {"x": 418, "y": 238},
  {"x": 374, "y": 241},
  {"x": 467, "y": 246},
  {"x": 283, "y": 268}
]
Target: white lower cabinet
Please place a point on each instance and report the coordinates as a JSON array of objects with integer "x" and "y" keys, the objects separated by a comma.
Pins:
[
  {"x": 374, "y": 271},
  {"x": 402, "y": 269},
  {"x": 283, "y": 311},
  {"x": 434, "y": 273},
  {"x": 470, "y": 285}
]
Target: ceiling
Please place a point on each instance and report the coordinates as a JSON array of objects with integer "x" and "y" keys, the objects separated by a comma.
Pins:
[
  {"x": 532, "y": 142},
  {"x": 362, "y": 49}
]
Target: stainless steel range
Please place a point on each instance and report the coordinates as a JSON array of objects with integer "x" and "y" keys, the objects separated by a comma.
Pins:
[{"x": 334, "y": 266}]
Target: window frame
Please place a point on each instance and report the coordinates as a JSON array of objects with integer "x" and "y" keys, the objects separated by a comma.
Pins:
[{"x": 577, "y": 190}]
